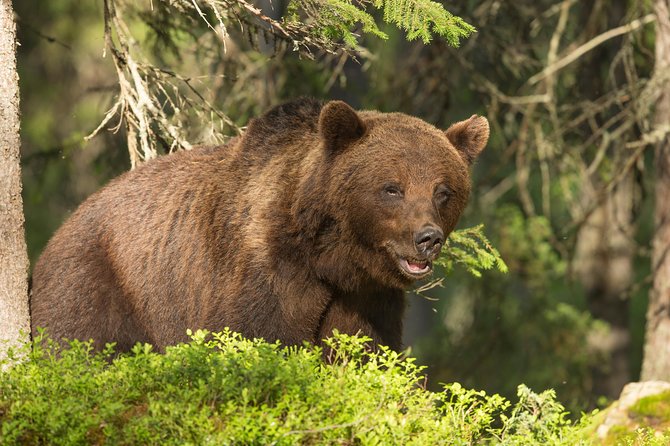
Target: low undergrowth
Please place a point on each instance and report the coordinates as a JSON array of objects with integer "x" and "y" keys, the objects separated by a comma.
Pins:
[{"x": 223, "y": 389}]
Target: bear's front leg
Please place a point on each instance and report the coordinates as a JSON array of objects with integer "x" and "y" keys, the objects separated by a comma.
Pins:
[{"x": 377, "y": 314}]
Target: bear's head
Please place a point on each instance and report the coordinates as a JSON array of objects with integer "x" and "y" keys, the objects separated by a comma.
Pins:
[{"x": 390, "y": 189}]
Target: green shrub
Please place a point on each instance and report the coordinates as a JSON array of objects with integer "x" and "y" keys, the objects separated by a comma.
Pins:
[{"x": 223, "y": 389}]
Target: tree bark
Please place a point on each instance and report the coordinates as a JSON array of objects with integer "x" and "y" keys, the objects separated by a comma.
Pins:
[
  {"x": 656, "y": 363},
  {"x": 14, "y": 317}
]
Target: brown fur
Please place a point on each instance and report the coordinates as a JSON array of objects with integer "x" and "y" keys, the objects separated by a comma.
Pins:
[{"x": 286, "y": 233}]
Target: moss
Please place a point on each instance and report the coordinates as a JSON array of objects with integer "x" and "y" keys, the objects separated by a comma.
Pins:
[
  {"x": 648, "y": 424},
  {"x": 653, "y": 410},
  {"x": 619, "y": 435}
]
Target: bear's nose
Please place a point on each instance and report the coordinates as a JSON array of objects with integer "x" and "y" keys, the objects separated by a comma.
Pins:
[{"x": 428, "y": 240}]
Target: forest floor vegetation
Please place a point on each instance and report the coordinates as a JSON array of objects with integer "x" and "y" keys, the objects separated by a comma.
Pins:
[{"x": 221, "y": 388}]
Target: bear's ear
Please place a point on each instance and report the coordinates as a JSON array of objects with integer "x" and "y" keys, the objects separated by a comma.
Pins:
[
  {"x": 339, "y": 126},
  {"x": 469, "y": 136}
]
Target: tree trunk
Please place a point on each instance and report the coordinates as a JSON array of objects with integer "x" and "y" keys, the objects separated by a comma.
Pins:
[
  {"x": 656, "y": 363},
  {"x": 603, "y": 258},
  {"x": 604, "y": 263},
  {"x": 14, "y": 316}
]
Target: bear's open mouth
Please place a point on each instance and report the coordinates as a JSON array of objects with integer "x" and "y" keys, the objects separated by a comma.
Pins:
[{"x": 416, "y": 268}]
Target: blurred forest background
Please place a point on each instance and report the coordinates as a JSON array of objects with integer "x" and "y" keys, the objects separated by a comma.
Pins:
[{"x": 565, "y": 187}]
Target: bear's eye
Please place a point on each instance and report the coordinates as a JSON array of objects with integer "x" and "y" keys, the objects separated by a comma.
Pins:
[
  {"x": 393, "y": 190},
  {"x": 443, "y": 193}
]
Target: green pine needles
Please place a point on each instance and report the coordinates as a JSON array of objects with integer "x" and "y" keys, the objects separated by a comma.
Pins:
[
  {"x": 420, "y": 19},
  {"x": 423, "y": 18},
  {"x": 470, "y": 249}
]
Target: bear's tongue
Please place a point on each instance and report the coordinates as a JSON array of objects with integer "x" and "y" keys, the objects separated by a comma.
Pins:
[{"x": 416, "y": 267}]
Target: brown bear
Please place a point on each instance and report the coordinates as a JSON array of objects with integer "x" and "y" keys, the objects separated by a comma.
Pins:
[{"x": 316, "y": 219}]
